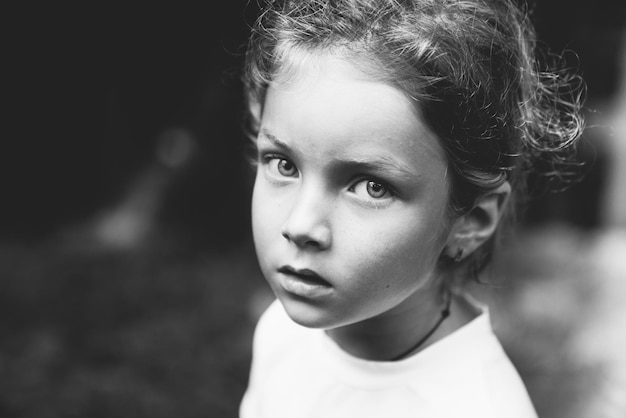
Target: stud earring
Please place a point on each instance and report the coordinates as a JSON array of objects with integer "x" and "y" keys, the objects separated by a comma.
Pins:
[{"x": 459, "y": 255}]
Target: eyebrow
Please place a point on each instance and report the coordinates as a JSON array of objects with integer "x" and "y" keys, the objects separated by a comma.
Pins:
[
  {"x": 273, "y": 138},
  {"x": 379, "y": 163},
  {"x": 373, "y": 163}
]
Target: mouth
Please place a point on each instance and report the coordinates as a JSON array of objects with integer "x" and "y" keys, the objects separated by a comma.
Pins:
[
  {"x": 303, "y": 282},
  {"x": 306, "y": 275}
]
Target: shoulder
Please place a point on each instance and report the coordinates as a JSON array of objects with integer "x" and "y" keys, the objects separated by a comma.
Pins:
[
  {"x": 277, "y": 339},
  {"x": 275, "y": 333},
  {"x": 494, "y": 380},
  {"x": 504, "y": 386},
  {"x": 275, "y": 324},
  {"x": 471, "y": 367}
]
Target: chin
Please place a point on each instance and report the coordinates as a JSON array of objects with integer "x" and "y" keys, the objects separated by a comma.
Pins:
[{"x": 308, "y": 315}]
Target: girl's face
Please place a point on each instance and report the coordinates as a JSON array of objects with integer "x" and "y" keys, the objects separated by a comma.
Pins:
[{"x": 349, "y": 205}]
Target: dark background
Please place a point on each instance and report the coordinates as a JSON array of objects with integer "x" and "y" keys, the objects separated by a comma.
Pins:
[
  {"x": 160, "y": 324},
  {"x": 89, "y": 91}
]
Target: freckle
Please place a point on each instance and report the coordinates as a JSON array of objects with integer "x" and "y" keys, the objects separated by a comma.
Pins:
[{"x": 387, "y": 287}]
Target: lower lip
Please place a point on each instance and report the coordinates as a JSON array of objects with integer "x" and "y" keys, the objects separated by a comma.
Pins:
[{"x": 301, "y": 287}]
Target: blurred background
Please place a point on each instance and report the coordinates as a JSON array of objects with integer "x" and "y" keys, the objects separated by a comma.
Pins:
[{"x": 128, "y": 282}]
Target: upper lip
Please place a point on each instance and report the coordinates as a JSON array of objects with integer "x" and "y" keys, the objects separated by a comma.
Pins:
[{"x": 305, "y": 274}]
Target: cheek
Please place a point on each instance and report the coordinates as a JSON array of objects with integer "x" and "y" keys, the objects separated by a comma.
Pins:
[
  {"x": 398, "y": 254},
  {"x": 267, "y": 218},
  {"x": 260, "y": 219}
]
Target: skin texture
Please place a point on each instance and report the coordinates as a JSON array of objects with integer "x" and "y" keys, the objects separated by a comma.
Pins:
[{"x": 351, "y": 185}]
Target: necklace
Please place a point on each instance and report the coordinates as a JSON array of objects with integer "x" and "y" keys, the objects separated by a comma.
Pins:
[{"x": 444, "y": 314}]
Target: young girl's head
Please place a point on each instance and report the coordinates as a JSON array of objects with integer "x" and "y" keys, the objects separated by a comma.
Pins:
[{"x": 394, "y": 133}]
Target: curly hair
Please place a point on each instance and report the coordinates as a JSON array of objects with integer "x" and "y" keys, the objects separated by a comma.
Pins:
[{"x": 471, "y": 67}]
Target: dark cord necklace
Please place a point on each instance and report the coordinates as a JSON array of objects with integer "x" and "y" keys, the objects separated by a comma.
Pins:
[{"x": 444, "y": 314}]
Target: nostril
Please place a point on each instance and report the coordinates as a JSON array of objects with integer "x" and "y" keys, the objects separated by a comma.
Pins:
[
  {"x": 313, "y": 243},
  {"x": 301, "y": 240},
  {"x": 305, "y": 235}
]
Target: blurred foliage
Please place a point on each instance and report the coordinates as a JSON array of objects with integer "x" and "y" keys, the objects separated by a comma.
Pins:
[{"x": 154, "y": 332}]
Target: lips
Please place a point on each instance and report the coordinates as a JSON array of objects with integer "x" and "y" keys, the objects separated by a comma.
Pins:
[
  {"x": 305, "y": 275},
  {"x": 303, "y": 283}
]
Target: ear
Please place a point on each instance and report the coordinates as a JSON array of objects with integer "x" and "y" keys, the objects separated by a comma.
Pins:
[{"x": 474, "y": 228}]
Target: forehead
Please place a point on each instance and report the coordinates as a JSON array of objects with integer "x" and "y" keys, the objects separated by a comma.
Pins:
[
  {"x": 298, "y": 64},
  {"x": 317, "y": 95}
]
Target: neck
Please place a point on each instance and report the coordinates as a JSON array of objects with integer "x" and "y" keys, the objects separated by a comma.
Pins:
[{"x": 399, "y": 332}]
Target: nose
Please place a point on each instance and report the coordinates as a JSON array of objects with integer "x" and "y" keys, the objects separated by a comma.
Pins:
[{"x": 307, "y": 225}]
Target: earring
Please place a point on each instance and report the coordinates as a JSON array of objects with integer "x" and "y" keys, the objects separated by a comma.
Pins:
[{"x": 459, "y": 255}]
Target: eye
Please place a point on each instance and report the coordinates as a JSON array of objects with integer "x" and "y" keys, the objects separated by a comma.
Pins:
[
  {"x": 282, "y": 167},
  {"x": 371, "y": 189},
  {"x": 286, "y": 168}
]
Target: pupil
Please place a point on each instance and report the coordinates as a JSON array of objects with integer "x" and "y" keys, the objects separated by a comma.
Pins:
[
  {"x": 286, "y": 166},
  {"x": 375, "y": 188}
]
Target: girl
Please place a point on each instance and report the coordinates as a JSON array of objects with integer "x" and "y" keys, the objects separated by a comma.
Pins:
[{"x": 392, "y": 138}]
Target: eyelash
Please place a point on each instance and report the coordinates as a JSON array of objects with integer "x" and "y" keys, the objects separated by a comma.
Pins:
[
  {"x": 372, "y": 180},
  {"x": 267, "y": 159}
]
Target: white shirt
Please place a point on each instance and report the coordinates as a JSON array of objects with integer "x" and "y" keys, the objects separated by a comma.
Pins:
[{"x": 299, "y": 372}]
